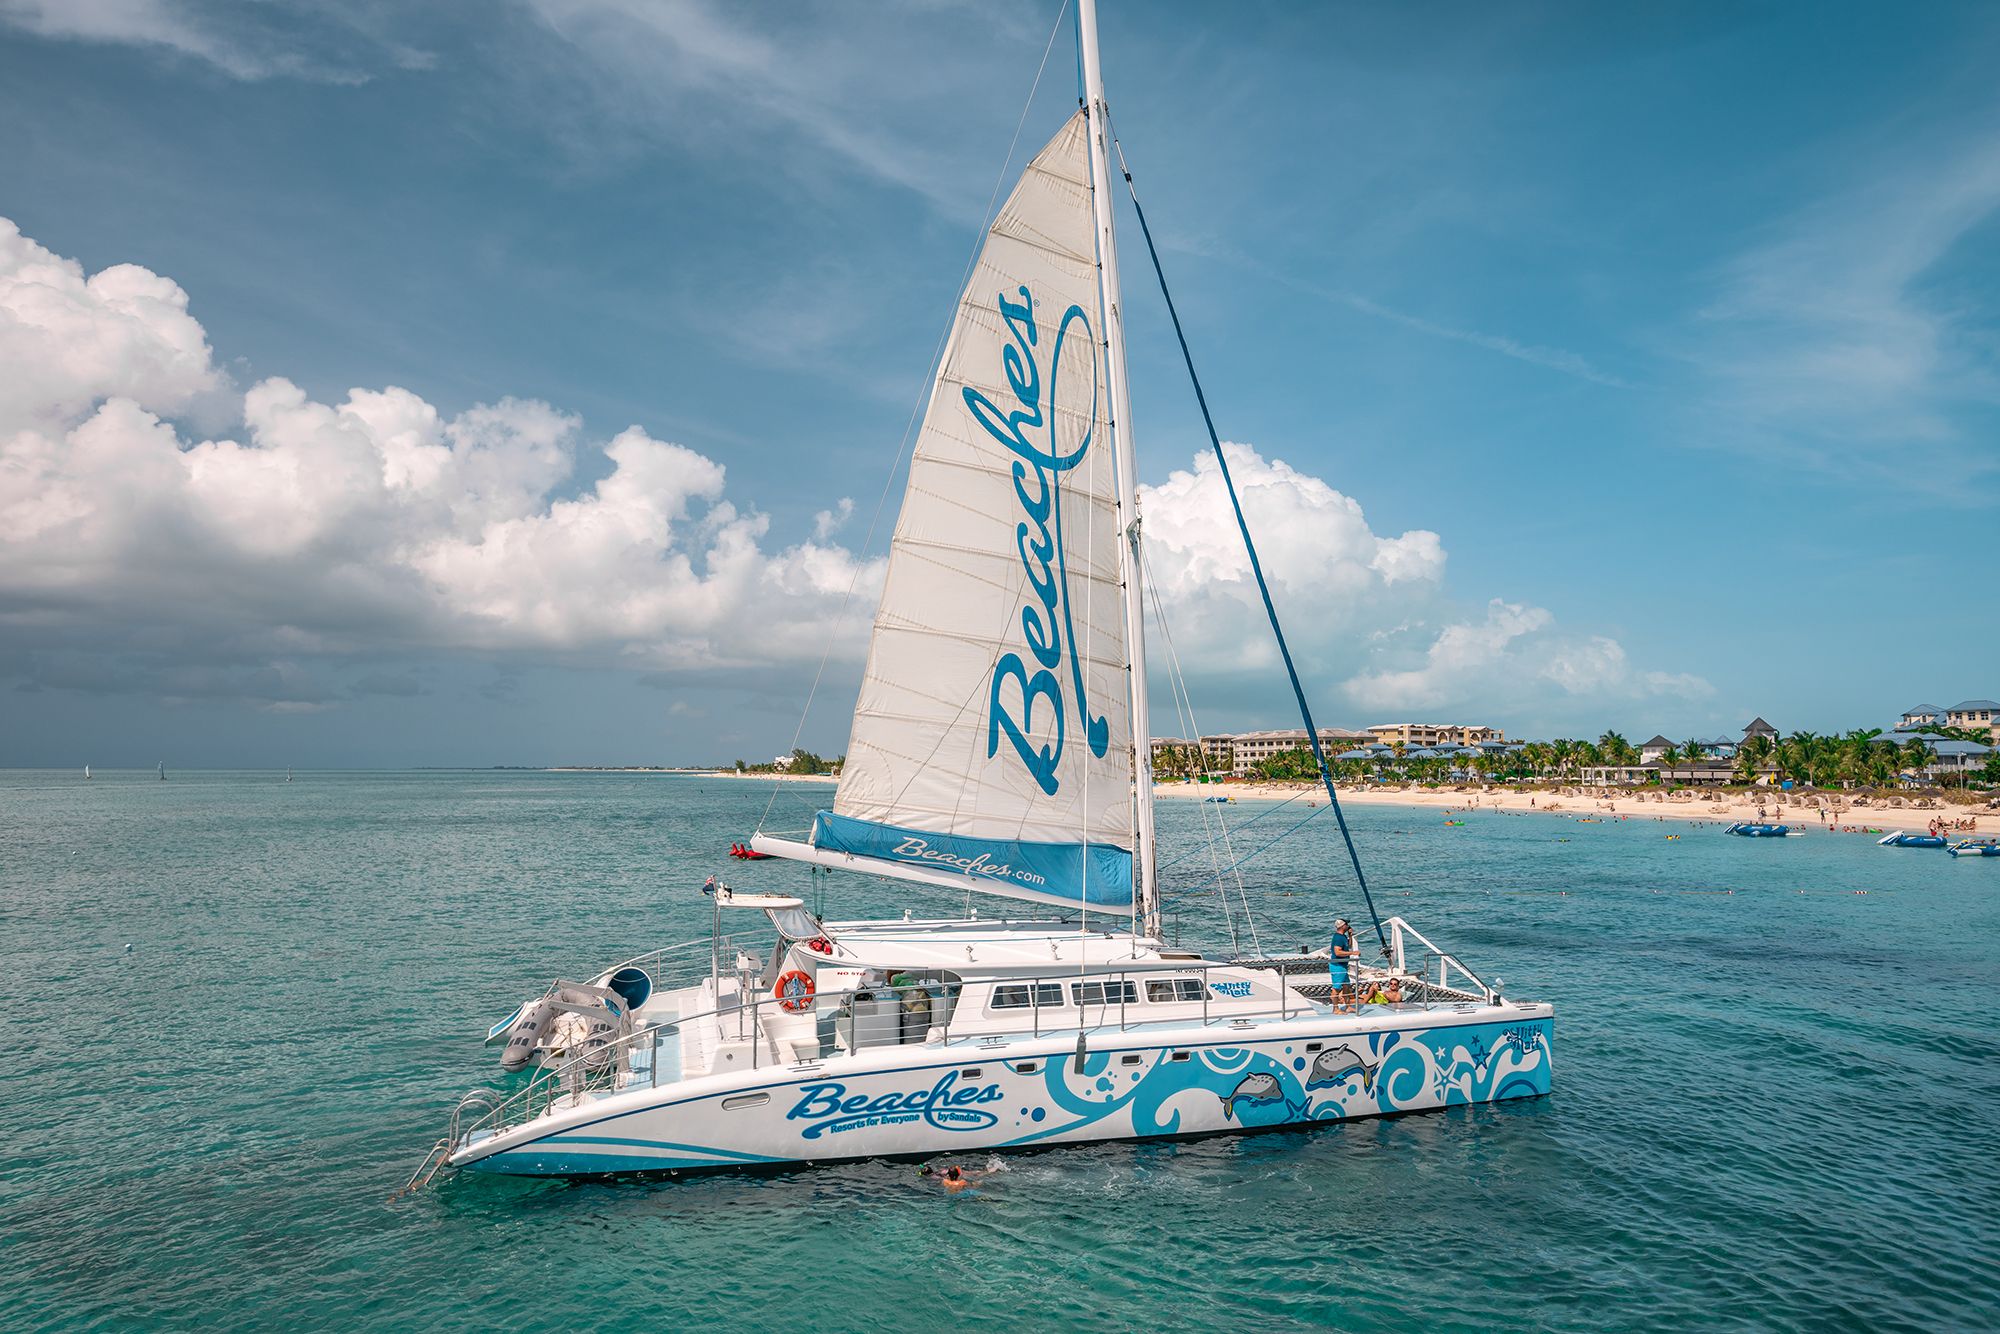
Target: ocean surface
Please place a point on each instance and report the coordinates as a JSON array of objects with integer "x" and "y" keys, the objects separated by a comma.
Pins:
[{"x": 1777, "y": 1096}]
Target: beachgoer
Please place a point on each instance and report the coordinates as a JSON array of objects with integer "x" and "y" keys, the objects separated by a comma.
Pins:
[
  {"x": 1343, "y": 957},
  {"x": 1395, "y": 993}
]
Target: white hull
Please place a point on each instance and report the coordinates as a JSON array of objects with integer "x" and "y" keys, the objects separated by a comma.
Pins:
[{"x": 1158, "y": 1081}]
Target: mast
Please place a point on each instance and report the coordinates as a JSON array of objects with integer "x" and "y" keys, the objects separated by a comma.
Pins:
[{"x": 1146, "y": 895}]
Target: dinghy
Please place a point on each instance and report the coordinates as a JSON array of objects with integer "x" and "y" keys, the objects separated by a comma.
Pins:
[
  {"x": 1759, "y": 830},
  {"x": 1976, "y": 847},
  {"x": 1001, "y": 753}
]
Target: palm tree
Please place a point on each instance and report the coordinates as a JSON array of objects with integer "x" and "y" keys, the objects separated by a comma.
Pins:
[
  {"x": 1917, "y": 754},
  {"x": 1752, "y": 755},
  {"x": 1670, "y": 757}
]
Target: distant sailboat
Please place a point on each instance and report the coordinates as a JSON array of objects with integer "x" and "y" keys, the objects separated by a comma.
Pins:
[
  {"x": 86, "y": 773},
  {"x": 163, "y": 771},
  {"x": 288, "y": 773}
]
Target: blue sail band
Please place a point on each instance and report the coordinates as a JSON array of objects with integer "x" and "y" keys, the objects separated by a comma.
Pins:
[{"x": 1096, "y": 876}]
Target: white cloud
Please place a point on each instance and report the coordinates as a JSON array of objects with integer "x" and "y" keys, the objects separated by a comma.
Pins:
[
  {"x": 372, "y": 524},
  {"x": 1833, "y": 343},
  {"x": 68, "y": 341},
  {"x": 1335, "y": 579},
  {"x": 828, "y": 522},
  {"x": 1507, "y": 660},
  {"x": 1309, "y": 535},
  {"x": 326, "y": 43},
  {"x": 1458, "y": 664}
]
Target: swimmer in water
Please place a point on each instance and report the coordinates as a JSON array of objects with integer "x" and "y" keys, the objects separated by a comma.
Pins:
[{"x": 953, "y": 1178}]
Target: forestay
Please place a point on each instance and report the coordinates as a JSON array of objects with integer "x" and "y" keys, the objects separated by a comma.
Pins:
[{"x": 992, "y": 737}]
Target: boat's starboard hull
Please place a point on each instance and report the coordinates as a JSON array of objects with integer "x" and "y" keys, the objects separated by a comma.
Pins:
[{"x": 1131, "y": 1085}]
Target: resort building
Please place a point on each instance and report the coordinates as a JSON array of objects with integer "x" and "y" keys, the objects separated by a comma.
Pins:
[
  {"x": 1758, "y": 727},
  {"x": 1249, "y": 749},
  {"x": 1431, "y": 734},
  {"x": 1922, "y": 717},
  {"x": 1695, "y": 773},
  {"x": 1955, "y": 759},
  {"x": 1658, "y": 746},
  {"x": 1977, "y": 715}
]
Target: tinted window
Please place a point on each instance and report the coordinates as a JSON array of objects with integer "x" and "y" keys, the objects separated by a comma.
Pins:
[
  {"x": 1104, "y": 993},
  {"x": 1014, "y": 996},
  {"x": 1173, "y": 989}
]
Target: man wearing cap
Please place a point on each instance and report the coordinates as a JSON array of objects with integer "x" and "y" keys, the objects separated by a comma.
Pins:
[{"x": 1340, "y": 965}]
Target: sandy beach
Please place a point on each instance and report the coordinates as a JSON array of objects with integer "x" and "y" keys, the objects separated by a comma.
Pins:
[{"x": 1808, "y": 810}]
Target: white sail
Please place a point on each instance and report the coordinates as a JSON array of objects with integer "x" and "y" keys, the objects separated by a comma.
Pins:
[{"x": 992, "y": 737}]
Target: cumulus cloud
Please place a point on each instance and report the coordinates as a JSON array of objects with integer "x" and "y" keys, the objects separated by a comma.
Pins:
[
  {"x": 1334, "y": 576},
  {"x": 375, "y": 523},
  {"x": 1507, "y": 660}
]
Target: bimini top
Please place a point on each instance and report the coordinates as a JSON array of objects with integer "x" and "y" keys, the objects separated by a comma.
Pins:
[
  {"x": 728, "y": 898},
  {"x": 1020, "y": 949}
]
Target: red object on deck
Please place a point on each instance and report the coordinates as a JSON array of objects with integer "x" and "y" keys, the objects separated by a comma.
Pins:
[{"x": 744, "y": 854}]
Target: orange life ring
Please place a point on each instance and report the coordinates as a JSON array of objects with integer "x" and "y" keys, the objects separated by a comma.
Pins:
[{"x": 794, "y": 991}]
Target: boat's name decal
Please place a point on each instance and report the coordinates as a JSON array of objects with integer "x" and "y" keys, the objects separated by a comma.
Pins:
[
  {"x": 919, "y": 850},
  {"x": 947, "y": 1104},
  {"x": 1236, "y": 989},
  {"x": 1049, "y": 619}
]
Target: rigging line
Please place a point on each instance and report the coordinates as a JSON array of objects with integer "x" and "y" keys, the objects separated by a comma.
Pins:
[
  {"x": 923, "y": 400},
  {"x": 1269, "y": 810},
  {"x": 1259, "y": 852},
  {"x": 1250, "y": 547},
  {"x": 1178, "y": 678}
]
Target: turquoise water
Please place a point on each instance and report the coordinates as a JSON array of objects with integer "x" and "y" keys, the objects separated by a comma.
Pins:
[{"x": 1777, "y": 1096}]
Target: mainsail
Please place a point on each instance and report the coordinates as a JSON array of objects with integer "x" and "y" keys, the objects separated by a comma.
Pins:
[{"x": 992, "y": 736}]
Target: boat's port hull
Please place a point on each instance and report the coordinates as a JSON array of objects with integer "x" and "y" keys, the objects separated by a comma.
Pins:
[{"x": 919, "y": 1101}]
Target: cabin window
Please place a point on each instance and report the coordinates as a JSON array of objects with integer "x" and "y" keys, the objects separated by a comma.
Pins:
[
  {"x": 743, "y": 1100},
  {"x": 1027, "y": 1068},
  {"x": 1173, "y": 989},
  {"x": 1103, "y": 993},
  {"x": 1130, "y": 1058},
  {"x": 1014, "y": 995},
  {"x": 1178, "y": 1056}
]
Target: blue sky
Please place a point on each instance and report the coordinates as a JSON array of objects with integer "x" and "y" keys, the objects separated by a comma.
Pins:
[{"x": 1677, "y": 326}]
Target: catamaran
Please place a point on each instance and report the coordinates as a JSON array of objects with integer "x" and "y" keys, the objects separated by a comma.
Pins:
[{"x": 1000, "y": 747}]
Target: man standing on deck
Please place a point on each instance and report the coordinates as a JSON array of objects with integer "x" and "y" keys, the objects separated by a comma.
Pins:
[{"x": 1340, "y": 965}]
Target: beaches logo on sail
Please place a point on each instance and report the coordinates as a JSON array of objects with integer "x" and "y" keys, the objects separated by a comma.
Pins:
[
  {"x": 831, "y": 1109},
  {"x": 1049, "y": 621}
]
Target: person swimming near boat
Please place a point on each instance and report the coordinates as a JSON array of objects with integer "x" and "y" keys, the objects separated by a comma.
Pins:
[
  {"x": 953, "y": 1177},
  {"x": 1340, "y": 968}
]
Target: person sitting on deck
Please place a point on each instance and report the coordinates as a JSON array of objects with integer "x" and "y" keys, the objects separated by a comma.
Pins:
[{"x": 1339, "y": 969}]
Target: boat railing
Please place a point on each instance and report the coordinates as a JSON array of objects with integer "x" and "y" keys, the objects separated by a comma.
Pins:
[
  {"x": 1437, "y": 963},
  {"x": 611, "y": 1067},
  {"x": 684, "y": 956}
]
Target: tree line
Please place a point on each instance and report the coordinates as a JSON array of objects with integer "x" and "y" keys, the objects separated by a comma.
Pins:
[{"x": 1864, "y": 757}]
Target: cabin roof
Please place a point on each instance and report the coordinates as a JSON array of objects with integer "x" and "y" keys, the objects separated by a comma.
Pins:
[
  {"x": 1019, "y": 948},
  {"x": 1973, "y": 705}
]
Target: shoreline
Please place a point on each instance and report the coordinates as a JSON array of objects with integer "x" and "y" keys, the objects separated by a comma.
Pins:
[{"x": 1826, "y": 811}]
